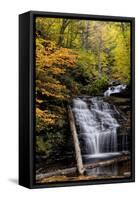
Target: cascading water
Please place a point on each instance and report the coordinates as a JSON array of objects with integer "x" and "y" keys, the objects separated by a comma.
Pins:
[
  {"x": 97, "y": 125},
  {"x": 114, "y": 89},
  {"x": 97, "y": 129}
]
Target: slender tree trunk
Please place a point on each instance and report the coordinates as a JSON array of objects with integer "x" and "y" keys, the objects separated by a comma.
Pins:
[
  {"x": 87, "y": 35},
  {"x": 99, "y": 61},
  {"x": 64, "y": 25},
  {"x": 80, "y": 166}
]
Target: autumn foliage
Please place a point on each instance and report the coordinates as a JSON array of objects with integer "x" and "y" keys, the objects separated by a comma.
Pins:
[
  {"x": 74, "y": 57},
  {"x": 52, "y": 64}
]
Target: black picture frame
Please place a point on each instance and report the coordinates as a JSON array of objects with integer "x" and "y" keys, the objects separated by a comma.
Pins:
[{"x": 27, "y": 97}]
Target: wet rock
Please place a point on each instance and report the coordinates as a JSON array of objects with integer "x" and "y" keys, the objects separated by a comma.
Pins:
[
  {"x": 123, "y": 106},
  {"x": 124, "y": 93}
]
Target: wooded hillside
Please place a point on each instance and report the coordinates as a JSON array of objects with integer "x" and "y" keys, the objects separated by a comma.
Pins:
[{"x": 74, "y": 57}]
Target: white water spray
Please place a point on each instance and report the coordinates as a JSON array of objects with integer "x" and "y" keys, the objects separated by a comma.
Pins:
[{"x": 114, "y": 89}]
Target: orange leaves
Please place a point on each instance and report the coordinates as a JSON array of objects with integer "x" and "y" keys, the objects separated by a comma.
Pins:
[
  {"x": 52, "y": 63},
  {"x": 57, "y": 70},
  {"x": 65, "y": 57},
  {"x": 49, "y": 94},
  {"x": 53, "y": 59},
  {"x": 54, "y": 90},
  {"x": 56, "y": 87},
  {"x": 45, "y": 116},
  {"x": 39, "y": 101}
]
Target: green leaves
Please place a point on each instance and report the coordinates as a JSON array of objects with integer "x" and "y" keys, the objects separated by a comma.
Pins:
[{"x": 74, "y": 57}]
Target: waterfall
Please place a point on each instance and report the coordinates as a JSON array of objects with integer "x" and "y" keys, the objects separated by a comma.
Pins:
[
  {"x": 96, "y": 124},
  {"x": 97, "y": 131},
  {"x": 114, "y": 89}
]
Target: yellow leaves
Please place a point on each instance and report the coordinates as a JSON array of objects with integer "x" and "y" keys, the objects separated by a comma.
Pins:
[
  {"x": 57, "y": 70},
  {"x": 51, "y": 64},
  {"x": 52, "y": 90},
  {"x": 47, "y": 56},
  {"x": 65, "y": 57},
  {"x": 45, "y": 116},
  {"x": 49, "y": 94},
  {"x": 39, "y": 101},
  {"x": 55, "y": 90},
  {"x": 54, "y": 86},
  {"x": 121, "y": 52}
]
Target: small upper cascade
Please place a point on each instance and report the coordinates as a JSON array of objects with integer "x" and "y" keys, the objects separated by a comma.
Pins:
[{"x": 114, "y": 89}]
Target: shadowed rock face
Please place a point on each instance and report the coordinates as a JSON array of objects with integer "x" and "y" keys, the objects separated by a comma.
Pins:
[
  {"x": 112, "y": 90},
  {"x": 118, "y": 90},
  {"x": 123, "y": 105},
  {"x": 124, "y": 93}
]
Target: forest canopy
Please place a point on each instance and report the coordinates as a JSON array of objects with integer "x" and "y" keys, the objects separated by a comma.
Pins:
[{"x": 74, "y": 57}]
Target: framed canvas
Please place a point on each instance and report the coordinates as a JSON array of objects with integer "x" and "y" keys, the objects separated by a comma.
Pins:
[{"x": 76, "y": 99}]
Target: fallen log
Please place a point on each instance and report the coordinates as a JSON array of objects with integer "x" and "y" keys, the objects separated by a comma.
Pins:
[
  {"x": 78, "y": 155},
  {"x": 73, "y": 170},
  {"x": 57, "y": 173},
  {"x": 107, "y": 162}
]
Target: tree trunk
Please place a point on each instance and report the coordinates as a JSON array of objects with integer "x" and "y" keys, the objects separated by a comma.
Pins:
[
  {"x": 99, "y": 61},
  {"x": 65, "y": 23},
  {"x": 80, "y": 166}
]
